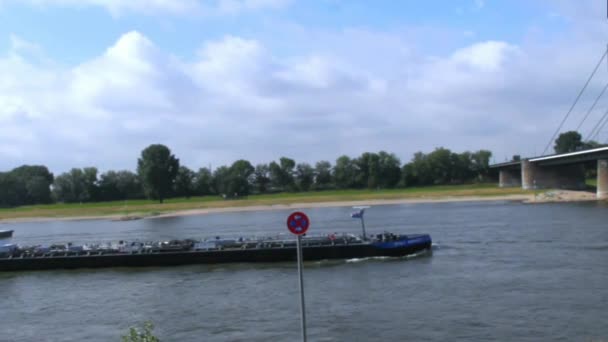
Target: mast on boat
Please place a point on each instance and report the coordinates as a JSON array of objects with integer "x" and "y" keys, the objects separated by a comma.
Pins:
[{"x": 359, "y": 214}]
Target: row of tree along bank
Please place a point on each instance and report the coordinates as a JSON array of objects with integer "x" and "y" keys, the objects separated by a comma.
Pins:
[{"x": 159, "y": 176}]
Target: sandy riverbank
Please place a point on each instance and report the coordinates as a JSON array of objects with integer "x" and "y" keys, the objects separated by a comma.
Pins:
[{"x": 546, "y": 197}]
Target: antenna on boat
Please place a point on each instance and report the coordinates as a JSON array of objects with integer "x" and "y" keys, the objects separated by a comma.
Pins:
[{"x": 359, "y": 214}]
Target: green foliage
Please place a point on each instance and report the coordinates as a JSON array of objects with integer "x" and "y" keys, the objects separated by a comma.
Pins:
[
  {"x": 240, "y": 172},
  {"x": 184, "y": 182},
  {"x": 572, "y": 141},
  {"x": 480, "y": 164},
  {"x": 12, "y": 192},
  {"x": 157, "y": 169},
  {"x": 141, "y": 335},
  {"x": 261, "y": 178},
  {"x": 203, "y": 182},
  {"x": 120, "y": 185},
  {"x": 366, "y": 175},
  {"x": 221, "y": 180},
  {"x": 568, "y": 142},
  {"x": 24, "y": 185},
  {"x": 234, "y": 181},
  {"x": 323, "y": 177},
  {"x": 89, "y": 175},
  {"x": 78, "y": 185},
  {"x": 305, "y": 176},
  {"x": 592, "y": 144},
  {"x": 445, "y": 167},
  {"x": 159, "y": 176},
  {"x": 344, "y": 173},
  {"x": 282, "y": 174},
  {"x": 377, "y": 170},
  {"x": 37, "y": 181},
  {"x": 389, "y": 170}
]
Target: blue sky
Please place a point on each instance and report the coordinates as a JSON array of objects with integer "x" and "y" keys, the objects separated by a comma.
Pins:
[
  {"x": 93, "y": 82},
  {"x": 74, "y": 33}
]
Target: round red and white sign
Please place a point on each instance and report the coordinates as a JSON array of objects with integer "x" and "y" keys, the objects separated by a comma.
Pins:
[{"x": 298, "y": 223}]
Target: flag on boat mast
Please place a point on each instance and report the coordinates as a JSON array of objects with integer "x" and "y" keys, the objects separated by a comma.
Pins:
[{"x": 359, "y": 213}]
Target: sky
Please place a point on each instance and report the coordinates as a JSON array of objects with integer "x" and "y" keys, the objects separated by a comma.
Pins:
[{"x": 93, "y": 82}]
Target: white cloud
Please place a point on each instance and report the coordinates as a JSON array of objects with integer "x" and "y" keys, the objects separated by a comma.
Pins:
[
  {"x": 486, "y": 56},
  {"x": 348, "y": 92}
]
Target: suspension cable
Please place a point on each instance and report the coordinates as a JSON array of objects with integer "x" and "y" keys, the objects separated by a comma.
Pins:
[
  {"x": 575, "y": 102},
  {"x": 592, "y": 107},
  {"x": 599, "y": 131},
  {"x": 598, "y": 127}
]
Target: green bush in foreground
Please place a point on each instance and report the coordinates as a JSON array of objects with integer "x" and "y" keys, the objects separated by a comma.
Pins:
[{"x": 135, "y": 335}]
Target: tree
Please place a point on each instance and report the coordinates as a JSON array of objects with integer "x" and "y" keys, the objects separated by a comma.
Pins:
[
  {"x": 281, "y": 175},
  {"x": 480, "y": 164},
  {"x": 119, "y": 185},
  {"x": 221, "y": 181},
  {"x": 389, "y": 172},
  {"x": 261, "y": 178},
  {"x": 440, "y": 164},
  {"x": 203, "y": 180},
  {"x": 344, "y": 173},
  {"x": 592, "y": 144},
  {"x": 36, "y": 181},
  {"x": 462, "y": 169},
  {"x": 408, "y": 176},
  {"x": 240, "y": 175},
  {"x": 323, "y": 178},
  {"x": 305, "y": 176},
  {"x": 418, "y": 171},
  {"x": 568, "y": 142},
  {"x": 157, "y": 169},
  {"x": 78, "y": 185},
  {"x": 366, "y": 170},
  {"x": 91, "y": 184},
  {"x": 11, "y": 190},
  {"x": 184, "y": 182}
]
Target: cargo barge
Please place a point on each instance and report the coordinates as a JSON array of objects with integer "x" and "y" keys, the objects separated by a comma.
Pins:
[
  {"x": 14, "y": 257},
  {"x": 184, "y": 252}
]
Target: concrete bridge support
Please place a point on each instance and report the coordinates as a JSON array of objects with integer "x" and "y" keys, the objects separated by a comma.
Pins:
[
  {"x": 570, "y": 176},
  {"x": 602, "y": 178},
  {"x": 508, "y": 178},
  {"x": 528, "y": 175}
]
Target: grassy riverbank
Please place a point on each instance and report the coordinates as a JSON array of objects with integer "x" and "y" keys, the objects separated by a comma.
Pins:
[{"x": 152, "y": 208}]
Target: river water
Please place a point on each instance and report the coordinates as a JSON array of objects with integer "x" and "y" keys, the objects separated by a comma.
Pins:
[{"x": 499, "y": 271}]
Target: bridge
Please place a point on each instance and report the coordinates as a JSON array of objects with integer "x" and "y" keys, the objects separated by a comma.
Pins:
[{"x": 557, "y": 171}]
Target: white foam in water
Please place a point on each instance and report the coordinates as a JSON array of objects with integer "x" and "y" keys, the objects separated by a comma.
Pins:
[{"x": 366, "y": 259}]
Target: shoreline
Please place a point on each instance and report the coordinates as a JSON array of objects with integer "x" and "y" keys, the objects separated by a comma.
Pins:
[{"x": 547, "y": 197}]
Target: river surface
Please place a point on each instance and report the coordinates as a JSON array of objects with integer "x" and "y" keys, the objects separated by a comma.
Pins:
[{"x": 500, "y": 271}]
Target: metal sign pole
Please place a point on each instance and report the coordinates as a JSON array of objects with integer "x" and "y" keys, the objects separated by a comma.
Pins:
[
  {"x": 363, "y": 227},
  {"x": 298, "y": 223},
  {"x": 302, "y": 307}
]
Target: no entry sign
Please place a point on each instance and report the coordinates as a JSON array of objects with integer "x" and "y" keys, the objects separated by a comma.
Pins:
[{"x": 298, "y": 223}]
